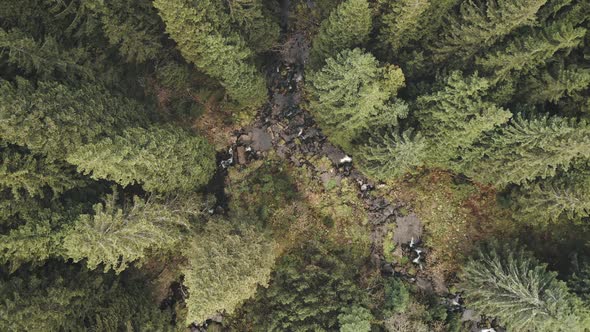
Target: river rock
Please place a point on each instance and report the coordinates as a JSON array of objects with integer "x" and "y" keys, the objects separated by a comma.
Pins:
[
  {"x": 407, "y": 228},
  {"x": 261, "y": 140}
]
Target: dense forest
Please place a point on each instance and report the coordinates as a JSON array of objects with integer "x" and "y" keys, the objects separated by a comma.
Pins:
[{"x": 295, "y": 165}]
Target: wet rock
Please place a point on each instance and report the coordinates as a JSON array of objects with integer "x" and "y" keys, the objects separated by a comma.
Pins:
[
  {"x": 387, "y": 269},
  {"x": 408, "y": 229},
  {"x": 424, "y": 284},
  {"x": 245, "y": 139},
  {"x": 470, "y": 316},
  {"x": 333, "y": 153},
  {"x": 241, "y": 155},
  {"x": 261, "y": 140}
]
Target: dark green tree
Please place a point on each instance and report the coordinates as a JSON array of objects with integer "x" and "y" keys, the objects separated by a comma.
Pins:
[
  {"x": 392, "y": 155},
  {"x": 480, "y": 24},
  {"x": 58, "y": 297},
  {"x": 528, "y": 149},
  {"x": 226, "y": 263},
  {"x": 116, "y": 236},
  {"x": 55, "y": 119},
  {"x": 527, "y": 51},
  {"x": 20, "y": 53},
  {"x": 309, "y": 289},
  {"x": 133, "y": 27},
  {"x": 348, "y": 26},
  {"x": 564, "y": 196},
  {"x": 161, "y": 159},
  {"x": 255, "y": 22},
  {"x": 509, "y": 283},
  {"x": 400, "y": 23},
  {"x": 219, "y": 52},
  {"x": 352, "y": 94},
  {"x": 23, "y": 173},
  {"x": 553, "y": 84},
  {"x": 455, "y": 117}
]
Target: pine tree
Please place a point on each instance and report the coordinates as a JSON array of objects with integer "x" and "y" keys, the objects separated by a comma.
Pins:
[
  {"x": 309, "y": 289},
  {"x": 132, "y": 26},
  {"x": 43, "y": 59},
  {"x": 58, "y": 297},
  {"x": 527, "y": 51},
  {"x": 161, "y": 159},
  {"x": 553, "y": 84},
  {"x": 454, "y": 118},
  {"x": 528, "y": 149},
  {"x": 31, "y": 230},
  {"x": 355, "y": 319},
  {"x": 400, "y": 24},
  {"x": 351, "y": 94},
  {"x": 393, "y": 155},
  {"x": 347, "y": 26},
  {"x": 116, "y": 237},
  {"x": 225, "y": 266},
  {"x": 219, "y": 52},
  {"x": 509, "y": 283},
  {"x": 255, "y": 22},
  {"x": 565, "y": 195},
  {"x": 23, "y": 173},
  {"x": 480, "y": 25},
  {"x": 55, "y": 119}
]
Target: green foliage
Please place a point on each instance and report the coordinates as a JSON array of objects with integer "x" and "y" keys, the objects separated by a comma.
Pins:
[
  {"x": 45, "y": 59},
  {"x": 220, "y": 53},
  {"x": 348, "y": 26},
  {"x": 397, "y": 296},
  {"x": 351, "y": 95},
  {"x": 509, "y": 283},
  {"x": 309, "y": 289},
  {"x": 393, "y": 155},
  {"x": 162, "y": 159},
  {"x": 68, "y": 298},
  {"x": 55, "y": 119},
  {"x": 255, "y": 21},
  {"x": 527, "y": 51},
  {"x": 554, "y": 84},
  {"x": 530, "y": 148},
  {"x": 401, "y": 24},
  {"x": 480, "y": 25},
  {"x": 116, "y": 237},
  {"x": 455, "y": 117},
  {"x": 133, "y": 27},
  {"x": 564, "y": 196},
  {"x": 355, "y": 319},
  {"x": 26, "y": 174},
  {"x": 225, "y": 265}
]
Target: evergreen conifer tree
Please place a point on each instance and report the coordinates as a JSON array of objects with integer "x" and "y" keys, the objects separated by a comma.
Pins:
[
  {"x": 116, "y": 237},
  {"x": 225, "y": 266},
  {"x": 509, "y": 283},
  {"x": 202, "y": 32},
  {"x": 528, "y": 149},
  {"x": 20, "y": 53},
  {"x": 527, "y": 51},
  {"x": 453, "y": 118},
  {"x": 255, "y": 23},
  {"x": 23, "y": 173},
  {"x": 480, "y": 25},
  {"x": 352, "y": 94},
  {"x": 348, "y": 26},
  {"x": 162, "y": 159},
  {"x": 553, "y": 84},
  {"x": 133, "y": 26},
  {"x": 393, "y": 155},
  {"x": 400, "y": 24},
  {"x": 59, "y": 297},
  {"x": 565, "y": 195},
  {"x": 55, "y": 119}
]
